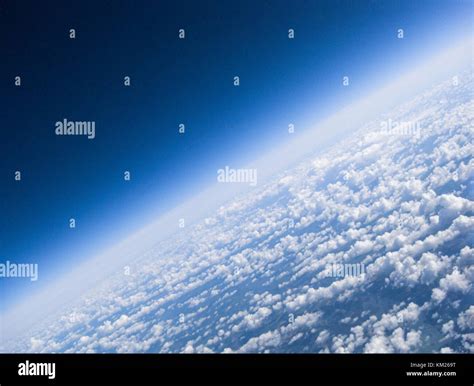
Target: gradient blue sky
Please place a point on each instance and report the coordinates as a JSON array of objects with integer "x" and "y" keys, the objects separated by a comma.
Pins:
[{"x": 173, "y": 81}]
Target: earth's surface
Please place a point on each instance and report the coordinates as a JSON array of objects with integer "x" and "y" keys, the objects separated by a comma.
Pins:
[{"x": 254, "y": 276}]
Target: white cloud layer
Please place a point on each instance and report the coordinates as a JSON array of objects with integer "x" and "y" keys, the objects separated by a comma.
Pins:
[{"x": 252, "y": 276}]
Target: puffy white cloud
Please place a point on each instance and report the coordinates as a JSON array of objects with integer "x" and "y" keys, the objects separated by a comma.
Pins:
[
  {"x": 455, "y": 281},
  {"x": 262, "y": 342},
  {"x": 466, "y": 319}
]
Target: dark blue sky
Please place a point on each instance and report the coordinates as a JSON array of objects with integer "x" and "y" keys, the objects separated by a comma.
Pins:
[{"x": 173, "y": 81}]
